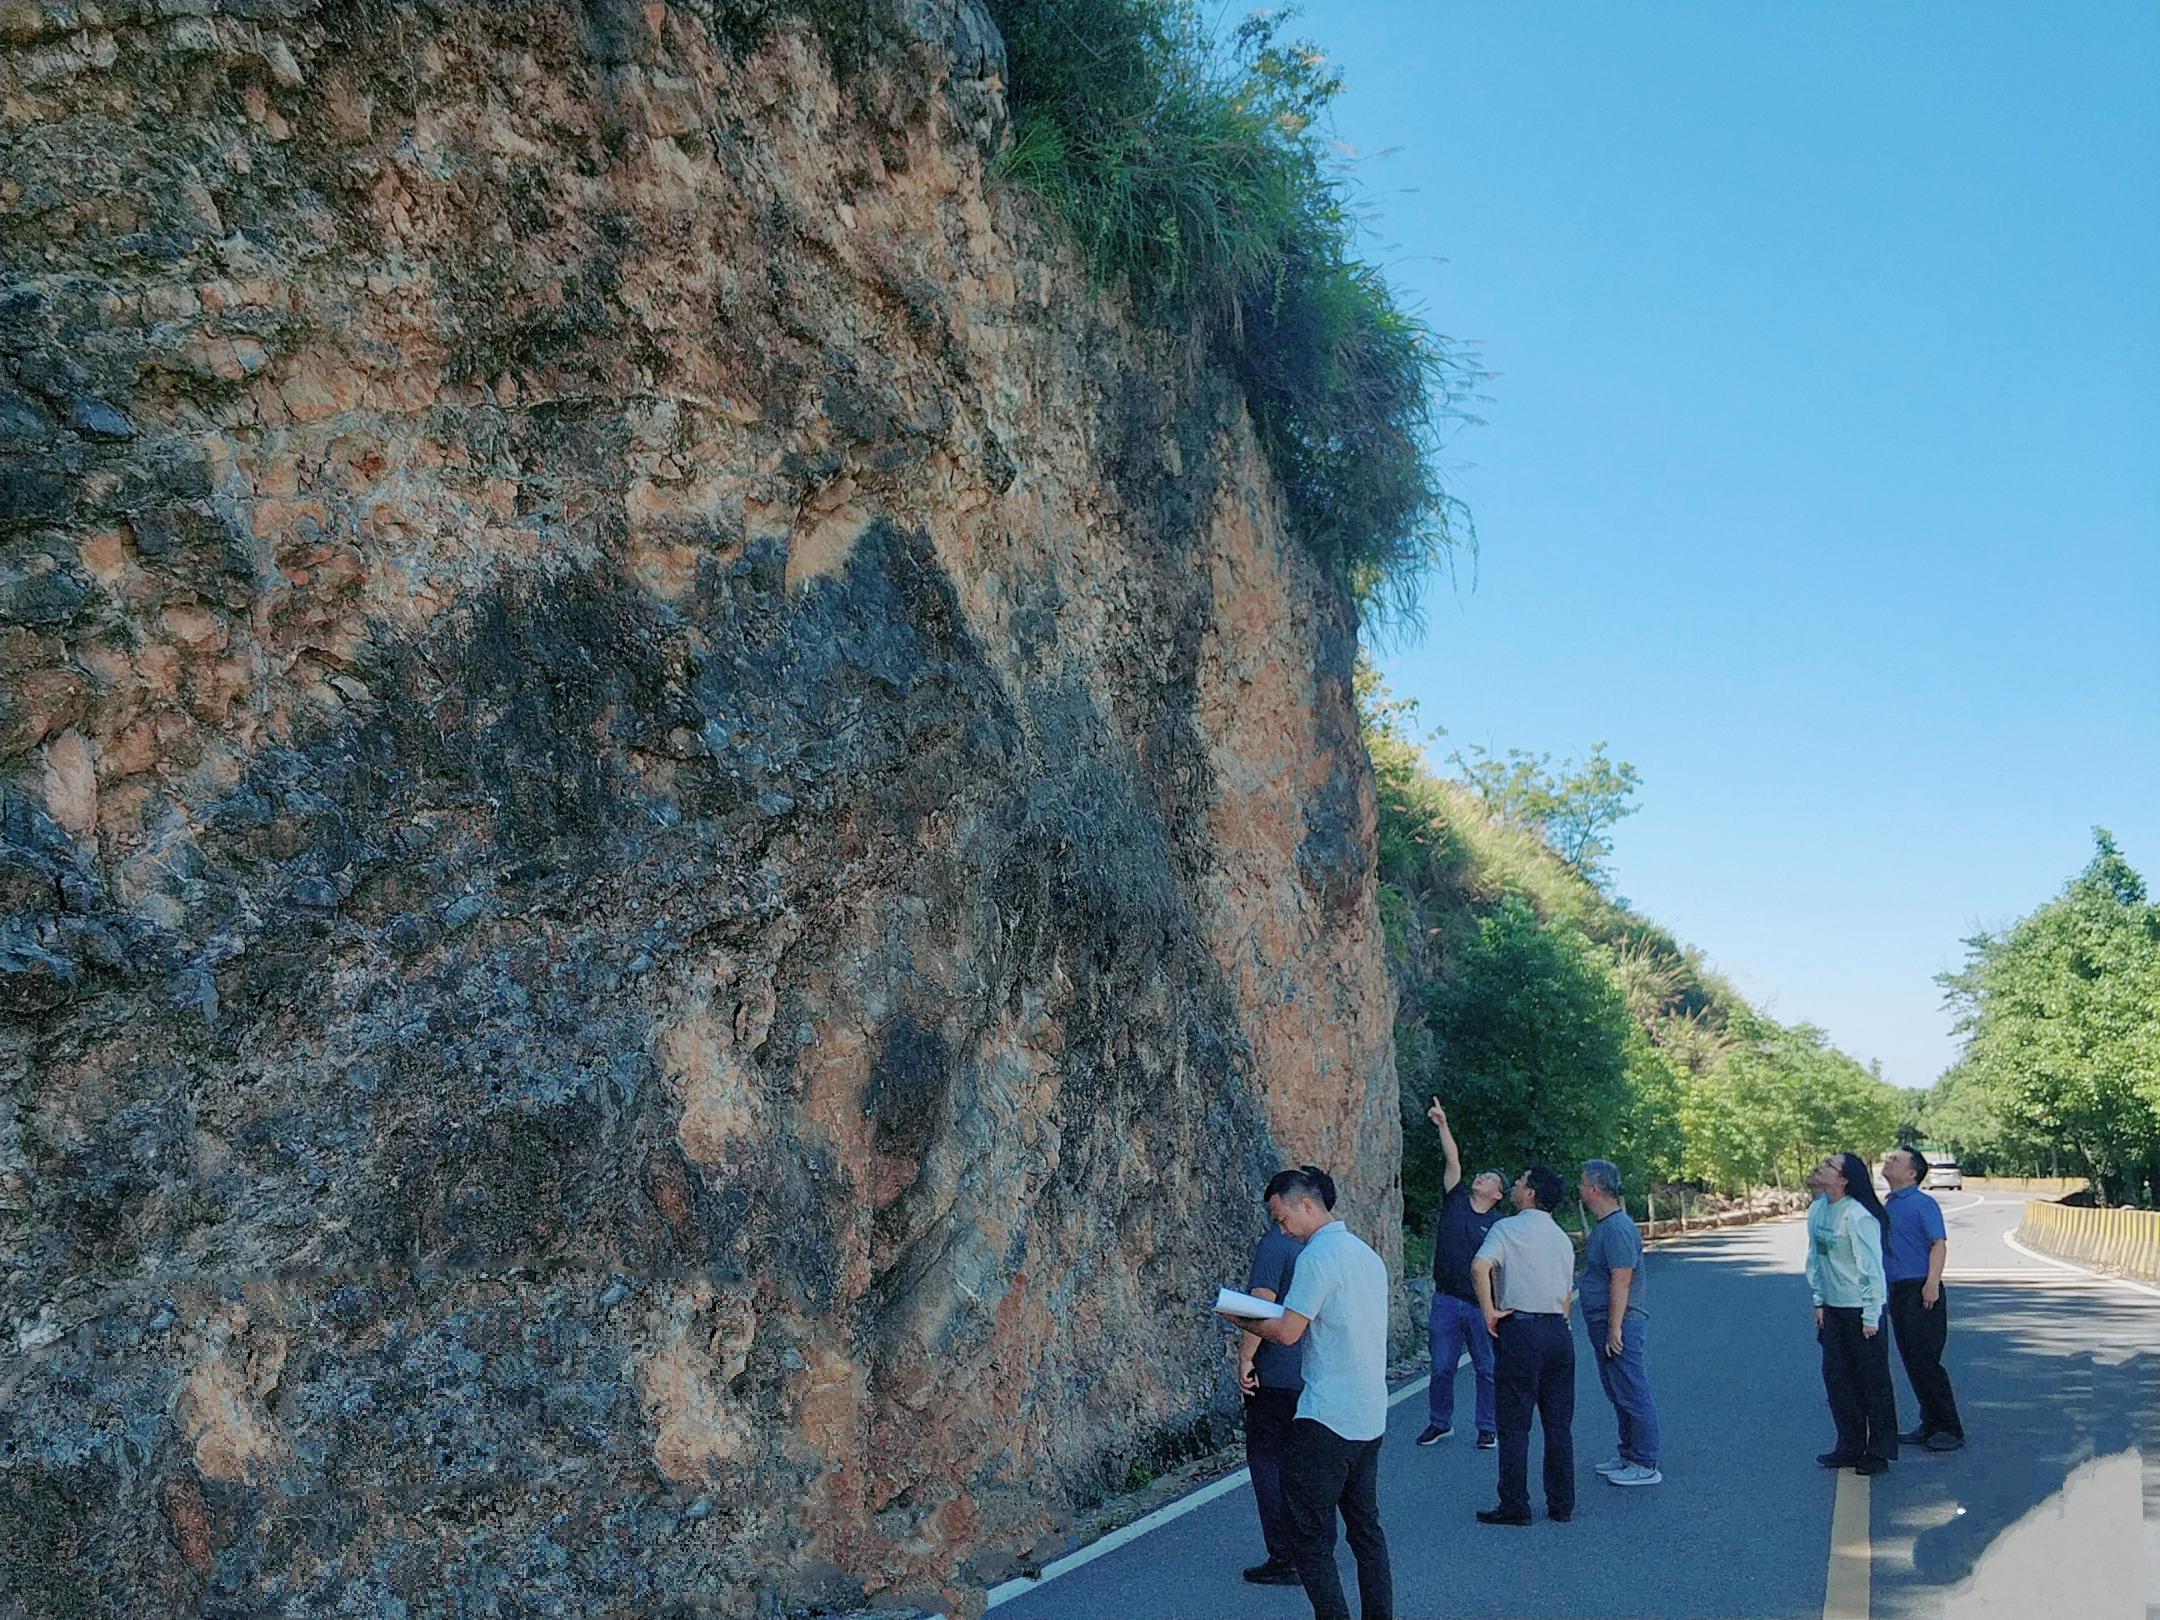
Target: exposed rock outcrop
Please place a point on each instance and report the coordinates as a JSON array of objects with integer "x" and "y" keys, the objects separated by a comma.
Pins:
[{"x": 677, "y": 830}]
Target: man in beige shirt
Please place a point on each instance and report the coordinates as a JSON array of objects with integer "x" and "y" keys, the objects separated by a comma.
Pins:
[{"x": 1526, "y": 1312}]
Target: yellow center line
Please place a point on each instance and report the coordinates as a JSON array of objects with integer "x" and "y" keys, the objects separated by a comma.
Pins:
[{"x": 1849, "y": 1593}]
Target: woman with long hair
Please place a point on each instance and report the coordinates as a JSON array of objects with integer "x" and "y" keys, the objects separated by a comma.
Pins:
[{"x": 1846, "y": 1228}]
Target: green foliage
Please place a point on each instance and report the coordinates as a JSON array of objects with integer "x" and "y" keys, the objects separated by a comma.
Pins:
[
  {"x": 1965, "y": 1114},
  {"x": 1542, "y": 1054},
  {"x": 1780, "y": 1101},
  {"x": 1572, "y": 808},
  {"x": 2061, "y": 1015},
  {"x": 1196, "y": 176},
  {"x": 1557, "y": 1024}
]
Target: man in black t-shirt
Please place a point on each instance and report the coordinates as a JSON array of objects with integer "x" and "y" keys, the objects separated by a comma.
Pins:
[{"x": 1457, "y": 1324}]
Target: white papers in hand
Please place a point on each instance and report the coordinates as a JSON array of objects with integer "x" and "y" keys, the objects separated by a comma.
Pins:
[{"x": 1233, "y": 1303}]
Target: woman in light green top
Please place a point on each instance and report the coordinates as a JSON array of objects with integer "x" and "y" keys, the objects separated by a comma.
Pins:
[{"x": 1846, "y": 1226}]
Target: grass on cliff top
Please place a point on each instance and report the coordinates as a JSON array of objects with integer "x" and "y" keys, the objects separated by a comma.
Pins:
[
  {"x": 1447, "y": 858},
  {"x": 1197, "y": 177}
]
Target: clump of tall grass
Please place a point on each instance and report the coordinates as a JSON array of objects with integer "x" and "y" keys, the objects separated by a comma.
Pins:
[{"x": 1197, "y": 175}]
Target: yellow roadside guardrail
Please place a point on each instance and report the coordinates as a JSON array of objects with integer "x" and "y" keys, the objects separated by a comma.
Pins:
[
  {"x": 2126, "y": 1240},
  {"x": 2052, "y": 1186}
]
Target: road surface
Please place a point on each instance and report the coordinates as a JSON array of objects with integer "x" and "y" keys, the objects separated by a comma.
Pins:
[{"x": 2053, "y": 1508}]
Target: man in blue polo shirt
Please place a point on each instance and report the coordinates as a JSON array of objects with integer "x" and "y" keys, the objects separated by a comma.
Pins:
[{"x": 1913, "y": 1260}]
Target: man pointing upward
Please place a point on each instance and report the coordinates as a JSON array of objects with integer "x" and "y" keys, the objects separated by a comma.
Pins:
[{"x": 1455, "y": 1324}]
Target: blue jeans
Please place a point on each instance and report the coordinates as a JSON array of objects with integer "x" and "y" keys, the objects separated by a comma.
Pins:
[
  {"x": 1627, "y": 1385},
  {"x": 1455, "y": 1326}
]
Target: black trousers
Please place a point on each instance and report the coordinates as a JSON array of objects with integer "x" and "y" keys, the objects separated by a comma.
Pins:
[
  {"x": 1856, "y": 1377},
  {"x": 1268, "y": 1416},
  {"x": 1921, "y": 1334},
  {"x": 1321, "y": 1474},
  {"x": 1534, "y": 1371}
]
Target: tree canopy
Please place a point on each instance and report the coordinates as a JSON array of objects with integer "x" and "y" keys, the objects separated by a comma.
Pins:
[
  {"x": 1572, "y": 807},
  {"x": 2061, "y": 1018}
]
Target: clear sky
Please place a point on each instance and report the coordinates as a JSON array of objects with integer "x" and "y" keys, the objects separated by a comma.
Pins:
[{"x": 1821, "y": 476}]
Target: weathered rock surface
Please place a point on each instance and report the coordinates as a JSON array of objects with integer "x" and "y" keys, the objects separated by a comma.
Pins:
[{"x": 677, "y": 831}]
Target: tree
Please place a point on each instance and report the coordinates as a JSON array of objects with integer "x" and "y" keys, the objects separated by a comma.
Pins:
[
  {"x": 2061, "y": 1018},
  {"x": 1572, "y": 808},
  {"x": 1542, "y": 1058},
  {"x": 1781, "y": 1101}
]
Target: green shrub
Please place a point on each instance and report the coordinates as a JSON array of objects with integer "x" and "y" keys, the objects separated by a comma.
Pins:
[{"x": 1196, "y": 177}]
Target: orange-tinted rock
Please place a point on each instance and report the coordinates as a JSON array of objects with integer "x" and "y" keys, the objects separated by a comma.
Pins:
[{"x": 702, "y": 835}]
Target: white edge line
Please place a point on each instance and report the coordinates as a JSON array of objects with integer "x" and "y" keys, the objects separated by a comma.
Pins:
[
  {"x": 1006, "y": 1591},
  {"x": 2081, "y": 1271},
  {"x": 1011, "y": 1589}
]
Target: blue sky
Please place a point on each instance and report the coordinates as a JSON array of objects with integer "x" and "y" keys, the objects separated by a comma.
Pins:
[{"x": 1821, "y": 476}]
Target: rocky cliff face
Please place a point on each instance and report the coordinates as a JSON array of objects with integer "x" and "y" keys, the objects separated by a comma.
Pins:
[{"x": 677, "y": 832}]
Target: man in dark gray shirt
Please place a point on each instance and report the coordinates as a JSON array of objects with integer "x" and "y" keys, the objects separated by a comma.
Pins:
[
  {"x": 1612, "y": 1308},
  {"x": 1271, "y": 1378}
]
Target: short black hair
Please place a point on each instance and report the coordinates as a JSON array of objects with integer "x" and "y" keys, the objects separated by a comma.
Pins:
[
  {"x": 1306, "y": 1181},
  {"x": 1920, "y": 1165},
  {"x": 1545, "y": 1182}
]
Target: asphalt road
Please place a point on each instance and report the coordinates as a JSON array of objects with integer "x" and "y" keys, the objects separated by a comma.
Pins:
[{"x": 2053, "y": 1508}]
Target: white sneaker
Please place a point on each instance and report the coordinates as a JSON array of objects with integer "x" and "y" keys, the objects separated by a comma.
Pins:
[
  {"x": 1613, "y": 1465},
  {"x": 1635, "y": 1474}
]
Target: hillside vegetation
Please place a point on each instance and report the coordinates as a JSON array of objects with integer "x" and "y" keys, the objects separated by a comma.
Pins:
[
  {"x": 1197, "y": 176},
  {"x": 1557, "y": 1024}
]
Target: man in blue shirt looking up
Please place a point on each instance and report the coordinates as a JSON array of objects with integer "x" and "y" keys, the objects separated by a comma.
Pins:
[
  {"x": 1456, "y": 1324},
  {"x": 1913, "y": 1262},
  {"x": 1614, "y": 1312}
]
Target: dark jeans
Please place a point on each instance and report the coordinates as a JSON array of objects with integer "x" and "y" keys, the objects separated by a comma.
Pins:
[
  {"x": 1323, "y": 1472},
  {"x": 1626, "y": 1382},
  {"x": 1267, "y": 1429},
  {"x": 1535, "y": 1372},
  {"x": 1856, "y": 1377},
  {"x": 1453, "y": 1326},
  {"x": 1921, "y": 1334}
]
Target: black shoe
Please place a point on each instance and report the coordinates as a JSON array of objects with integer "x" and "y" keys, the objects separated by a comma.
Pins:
[
  {"x": 1837, "y": 1459},
  {"x": 1433, "y": 1435},
  {"x": 1273, "y": 1573},
  {"x": 1915, "y": 1437},
  {"x": 1871, "y": 1465},
  {"x": 1487, "y": 1440},
  {"x": 1562, "y": 1518},
  {"x": 1946, "y": 1442},
  {"x": 1495, "y": 1516}
]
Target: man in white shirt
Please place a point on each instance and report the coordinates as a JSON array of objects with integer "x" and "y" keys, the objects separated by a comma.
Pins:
[
  {"x": 1338, "y": 1309},
  {"x": 1526, "y": 1312}
]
